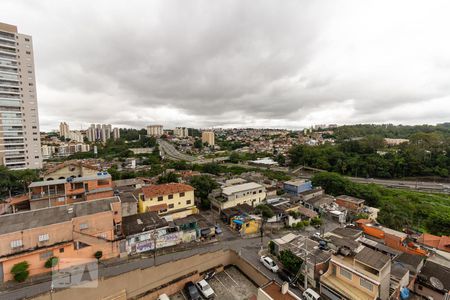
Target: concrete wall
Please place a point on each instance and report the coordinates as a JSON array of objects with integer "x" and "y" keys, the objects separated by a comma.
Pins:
[{"x": 153, "y": 281}]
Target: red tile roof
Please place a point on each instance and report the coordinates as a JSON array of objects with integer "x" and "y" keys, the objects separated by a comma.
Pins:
[
  {"x": 438, "y": 242},
  {"x": 165, "y": 189}
]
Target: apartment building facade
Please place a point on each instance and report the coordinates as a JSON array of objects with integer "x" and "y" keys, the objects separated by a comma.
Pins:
[
  {"x": 208, "y": 137},
  {"x": 59, "y": 192},
  {"x": 250, "y": 193},
  {"x": 20, "y": 146},
  {"x": 67, "y": 232},
  {"x": 181, "y": 132},
  {"x": 175, "y": 199},
  {"x": 155, "y": 130}
]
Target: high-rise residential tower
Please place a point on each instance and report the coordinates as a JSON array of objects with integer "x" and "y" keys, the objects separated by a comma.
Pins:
[
  {"x": 208, "y": 137},
  {"x": 20, "y": 145},
  {"x": 155, "y": 130},
  {"x": 64, "y": 130}
]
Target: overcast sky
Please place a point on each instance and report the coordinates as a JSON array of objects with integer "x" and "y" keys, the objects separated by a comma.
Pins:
[{"x": 238, "y": 63}]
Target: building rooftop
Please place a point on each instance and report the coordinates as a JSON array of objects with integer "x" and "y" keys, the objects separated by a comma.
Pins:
[
  {"x": 296, "y": 182},
  {"x": 320, "y": 200},
  {"x": 53, "y": 215},
  {"x": 142, "y": 222},
  {"x": 438, "y": 242},
  {"x": 347, "y": 232},
  {"x": 372, "y": 258},
  {"x": 410, "y": 259},
  {"x": 350, "y": 199},
  {"x": 307, "y": 212},
  {"x": 230, "y": 190},
  {"x": 128, "y": 197},
  {"x": 274, "y": 290},
  {"x": 435, "y": 275},
  {"x": 165, "y": 189},
  {"x": 100, "y": 175}
]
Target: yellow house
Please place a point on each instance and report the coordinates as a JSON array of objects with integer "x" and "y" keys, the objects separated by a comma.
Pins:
[
  {"x": 175, "y": 199},
  {"x": 245, "y": 224}
]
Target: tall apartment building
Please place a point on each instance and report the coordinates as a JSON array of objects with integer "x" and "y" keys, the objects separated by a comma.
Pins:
[
  {"x": 99, "y": 132},
  {"x": 116, "y": 133},
  {"x": 208, "y": 137},
  {"x": 64, "y": 130},
  {"x": 181, "y": 132},
  {"x": 20, "y": 145},
  {"x": 155, "y": 130}
]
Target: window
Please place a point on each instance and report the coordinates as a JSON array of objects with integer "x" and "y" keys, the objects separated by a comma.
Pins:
[
  {"x": 27, "y": 39},
  {"x": 182, "y": 194},
  {"x": 84, "y": 226},
  {"x": 160, "y": 198},
  {"x": 171, "y": 206},
  {"x": 28, "y": 52},
  {"x": 61, "y": 250},
  {"x": 345, "y": 273},
  {"x": 43, "y": 237},
  {"x": 260, "y": 191},
  {"x": 45, "y": 255},
  {"x": 170, "y": 196},
  {"x": 188, "y": 202},
  {"x": 16, "y": 244},
  {"x": 365, "y": 283},
  {"x": 254, "y": 192}
]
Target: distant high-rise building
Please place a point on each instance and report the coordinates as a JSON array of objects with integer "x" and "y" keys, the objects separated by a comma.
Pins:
[
  {"x": 20, "y": 144},
  {"x": 100, "y": 132},
  {"x": 64, "y": 130},
  {"x": 116, "y": 133},
  {"x": 155, "y": 130},
  {"x": 208, "y": 137},
  {"x": 181, "y": 132}
]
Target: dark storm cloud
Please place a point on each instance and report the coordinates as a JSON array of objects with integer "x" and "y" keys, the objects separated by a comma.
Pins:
[{"x": 206, "y": 63}]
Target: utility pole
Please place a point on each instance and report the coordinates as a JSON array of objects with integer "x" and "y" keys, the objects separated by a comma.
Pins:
[{"x": 154, "y": 236}]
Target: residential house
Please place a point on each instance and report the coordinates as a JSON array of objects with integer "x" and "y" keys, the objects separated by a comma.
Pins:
[
  {"x": 174, "y": 199},
  {"x": 296, "y": 187},
  {"x": 250, "y": 193},
  {"x": 352, "y": 204},
  {"x": 436, "y": 242},
  {"x": 433, "y": 281},
  {"x": 56, "y": 192},
  {"x": 360, "y": 275},
  {"x": 70, "y": 169},
  {"x": 67, "y": 231}
]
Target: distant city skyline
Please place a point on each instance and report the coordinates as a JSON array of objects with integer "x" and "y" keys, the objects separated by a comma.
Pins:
[{"x": 236, "y": 64}]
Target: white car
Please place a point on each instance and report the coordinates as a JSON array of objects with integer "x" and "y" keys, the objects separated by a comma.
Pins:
[
  {"x": 310, "y": 294},
  {"x": 269, "y": 263},
  {"x": 205, "y": 289}
]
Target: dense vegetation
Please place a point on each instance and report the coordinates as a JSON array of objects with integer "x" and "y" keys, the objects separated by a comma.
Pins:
[
  {"x": 427, "y": 154},
  {"x": 116, "y": 149},
  {"x": 16, "y": 181},
  {"x": 388, "y": 130},
  {"x": 399, "y": 209},
  {"x": 203, "y": 185}
]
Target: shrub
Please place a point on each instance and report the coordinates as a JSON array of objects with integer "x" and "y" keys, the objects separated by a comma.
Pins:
[
  {"x": 20, "y": 271},
  {"x": 51, "y": 262},
  {"x": 272, "y": 247}
]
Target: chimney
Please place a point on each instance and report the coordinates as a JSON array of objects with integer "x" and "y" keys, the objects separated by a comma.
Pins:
[{"x": 285, "y": 288}]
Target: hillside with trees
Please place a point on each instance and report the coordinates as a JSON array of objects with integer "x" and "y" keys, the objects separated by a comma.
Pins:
[
  {"x": 399, "y": 209},
  {"x": 426, "y": 154}
]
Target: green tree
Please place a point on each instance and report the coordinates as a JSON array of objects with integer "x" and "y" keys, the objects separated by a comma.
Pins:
[
  {"x": 211, "y": 168},
  {"x": 20, "y": 271},
  {"x": 290, "y": 261},
  {"x": 203, "y": 185},
  {"x": 168, "y": 178},
  {"x": 51, "y": 262}
]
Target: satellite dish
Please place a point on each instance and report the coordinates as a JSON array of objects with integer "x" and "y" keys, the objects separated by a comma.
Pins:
[{"x": 436, "y": 283}]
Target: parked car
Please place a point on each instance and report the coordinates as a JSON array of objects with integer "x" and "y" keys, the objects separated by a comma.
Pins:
[
  {"x": 191, "y": 291},
  {"x": 205, "y": 289},
  {"x": 310, "y": 294},
  {"x": 269, "y": 263},
  {"x": 163, "y": 297},
  {"x": 218, "y": 229},
  {"x": 286, "y": 276}
]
